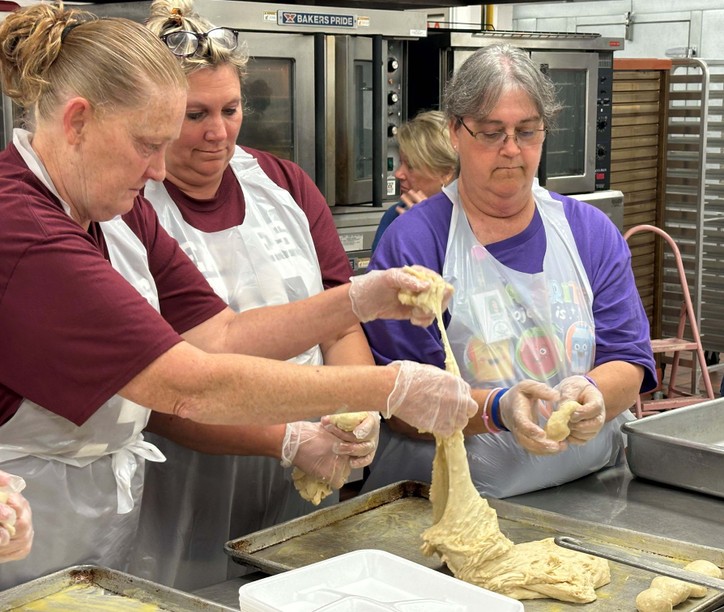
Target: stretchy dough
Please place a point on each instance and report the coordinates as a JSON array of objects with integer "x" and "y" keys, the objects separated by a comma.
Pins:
[
  {"x": 557, "y": 425},
  {"x": 312, "y": 488},
  {"x": 431, "y": 300},
  {"x": 465, "y": 531},
  {"x": 665, "y": 593}
]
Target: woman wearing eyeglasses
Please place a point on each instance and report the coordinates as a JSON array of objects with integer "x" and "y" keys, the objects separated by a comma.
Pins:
[
  {"x": 104, "y": 319},
  {"x": 545, "y": 305}
]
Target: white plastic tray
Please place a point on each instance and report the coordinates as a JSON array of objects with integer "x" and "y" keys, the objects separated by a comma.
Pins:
[{"x": 368, "y": 581}]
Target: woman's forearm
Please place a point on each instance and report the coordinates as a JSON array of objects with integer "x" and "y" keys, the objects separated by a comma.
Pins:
[{"x": 242, "y": 390}]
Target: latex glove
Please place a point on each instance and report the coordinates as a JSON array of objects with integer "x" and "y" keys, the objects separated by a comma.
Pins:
[
  {"x": 16, "y": 527},
  {"x": 520, "y": 409},
  {"x": 361, "y": 443},
  {"x": 430, "y": 399},
  {"x": 374, "y": 296},
  {"x": 587, "y": 421},
  {"x": 310, "y": 447}
]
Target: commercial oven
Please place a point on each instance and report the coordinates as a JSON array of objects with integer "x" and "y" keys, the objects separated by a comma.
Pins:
[{"x": 577, "y": 153}]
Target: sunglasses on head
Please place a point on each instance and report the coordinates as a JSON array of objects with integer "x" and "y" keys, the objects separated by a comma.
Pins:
[{"x": 184, "y": 43}]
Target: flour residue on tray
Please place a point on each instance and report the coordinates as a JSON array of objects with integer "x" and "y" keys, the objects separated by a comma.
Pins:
[{"x": 87, "y": 598}]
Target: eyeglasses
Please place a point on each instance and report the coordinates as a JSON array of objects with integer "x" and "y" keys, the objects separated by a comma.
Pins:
[
  {"x": 497, "y": 140},
  {"x": 184, "y": 43}
]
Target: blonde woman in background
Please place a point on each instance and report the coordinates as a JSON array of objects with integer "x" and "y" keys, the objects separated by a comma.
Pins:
[{"x": 428, "y": 162}]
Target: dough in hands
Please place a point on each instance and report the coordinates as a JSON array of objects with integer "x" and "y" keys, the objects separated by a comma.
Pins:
[
  {"x": 431, "y": 300},
  {"x": 557, "y": 425},
  {"x": 9, "y": 525},
  {"x": 312, "y": 488}
]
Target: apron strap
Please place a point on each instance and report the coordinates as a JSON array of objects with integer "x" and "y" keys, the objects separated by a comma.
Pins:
[{"x": 125, "y": 465}]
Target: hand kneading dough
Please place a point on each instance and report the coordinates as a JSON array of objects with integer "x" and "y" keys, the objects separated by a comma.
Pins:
[
  {"x": 9, "y": 525},
  {"x": 312, "y": 488},
  {"x": 557, "y": 425},
  {"x": 665, "y": 593},
  {"x": 465, "y": 531}
]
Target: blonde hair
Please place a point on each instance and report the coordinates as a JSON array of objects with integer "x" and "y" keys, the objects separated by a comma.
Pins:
[
  {"x": 48, "y": 53},
  {"x": 425, "y": 143},
  {"x": 168, "y": 16}
]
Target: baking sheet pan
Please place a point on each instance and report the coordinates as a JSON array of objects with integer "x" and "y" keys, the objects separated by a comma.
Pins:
[
  {"x": 393, "y": 518},
  {"x": 122, "y": 591},
  {"x": 683, "y": 447}
]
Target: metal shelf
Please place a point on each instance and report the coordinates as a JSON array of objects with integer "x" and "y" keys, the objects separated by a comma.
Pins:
[{"x": 694, "y": 207}]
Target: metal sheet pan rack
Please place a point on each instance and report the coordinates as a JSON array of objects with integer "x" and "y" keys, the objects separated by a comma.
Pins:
[{"x": 694, "y": 204}]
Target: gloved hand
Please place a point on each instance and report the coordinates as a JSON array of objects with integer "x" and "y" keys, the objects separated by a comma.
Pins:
[
  {"x": 16, "y": 528},
  {"x": 361, "y": 443},
  {"x": 431, "y": 399},
  {"x": 374, "y": 296},
  {"x": 519, "y": 412},
  {"x": 588, "y": 420},
  {"x": 311, "y": 448}
]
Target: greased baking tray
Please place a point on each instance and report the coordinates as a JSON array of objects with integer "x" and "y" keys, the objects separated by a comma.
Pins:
[
  {"x": 100, "y": 588},
  {"x": 393, "y": 518},
  {"x": 683, "y": 447}
]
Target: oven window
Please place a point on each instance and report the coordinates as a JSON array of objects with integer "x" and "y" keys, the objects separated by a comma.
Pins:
[
  {"x": 269, "y": 106},
  {"x": 363, "y": 119},
  {"x": 566, "y": 144}
]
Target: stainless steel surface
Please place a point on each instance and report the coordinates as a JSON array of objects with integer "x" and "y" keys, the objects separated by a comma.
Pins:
[
  {"x": 227, "y": 593},
  {"x": 646, "y": 562},
  {"x": 609, "y": 497},
  {"x": 534, "y": 40},
  {"x": 393, "y": 518},
  {"x": 270, "y": 17},
  {"x": 112, "y": 581},
  {"x": 615, "y": 497},
  {"x": 682, "y": 447}
]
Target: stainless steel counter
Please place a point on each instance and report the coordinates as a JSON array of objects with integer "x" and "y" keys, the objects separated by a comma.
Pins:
[{"x": 612, "y": 497}]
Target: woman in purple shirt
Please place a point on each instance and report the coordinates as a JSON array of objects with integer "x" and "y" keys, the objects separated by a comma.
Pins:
[{"x": 544, "y": 296}]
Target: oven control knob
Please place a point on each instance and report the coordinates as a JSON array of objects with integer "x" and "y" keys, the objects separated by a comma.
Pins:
[
  {"x": 392, "y": 64},
  {"x": 601, "y": 124},
  {"x": 600, "y": 151},
  {"x": 391, "y": 130},
  {"x": 393, "y": 97}
]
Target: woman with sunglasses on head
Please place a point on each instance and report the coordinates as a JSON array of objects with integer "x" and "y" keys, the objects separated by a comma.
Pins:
[
  {"x": 545, "y": 307},
  {"x": 104, "y": 319},
  {"x": 262, "y": 233}
]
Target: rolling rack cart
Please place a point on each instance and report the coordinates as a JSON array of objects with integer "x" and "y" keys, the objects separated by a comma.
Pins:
[{"x": 676, "y": 395}]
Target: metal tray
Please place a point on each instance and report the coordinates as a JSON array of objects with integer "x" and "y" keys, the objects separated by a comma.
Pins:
[
  {"x": 683, "y": 447},
  {"x": 133, "y": 591},
  {"x": 393, "y": 518}
]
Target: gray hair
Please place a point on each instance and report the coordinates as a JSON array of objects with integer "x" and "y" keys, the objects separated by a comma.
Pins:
[
  {"x": 169, "y": 16},
  {"x": 476, "y": 87}
]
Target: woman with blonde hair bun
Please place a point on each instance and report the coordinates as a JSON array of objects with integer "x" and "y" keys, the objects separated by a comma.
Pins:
[{"x": 105, "y": 319}]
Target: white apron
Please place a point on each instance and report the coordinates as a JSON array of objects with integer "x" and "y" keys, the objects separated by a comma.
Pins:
[
  {"x": 84, "y": 484},
  {"x": 195, "y": 503},
  {"x": 506, "y": 326}
]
